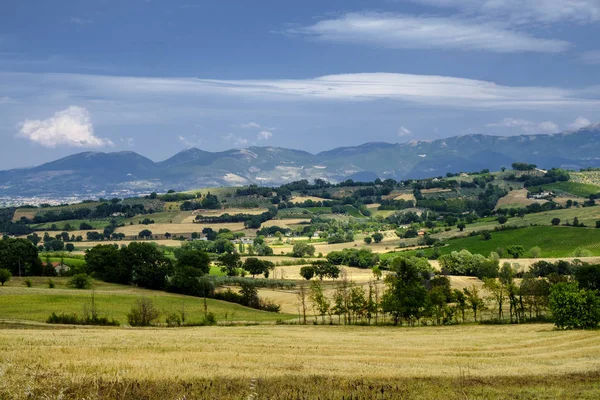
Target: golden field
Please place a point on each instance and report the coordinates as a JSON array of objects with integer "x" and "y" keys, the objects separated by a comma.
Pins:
[{"x": 473, "y": 361}]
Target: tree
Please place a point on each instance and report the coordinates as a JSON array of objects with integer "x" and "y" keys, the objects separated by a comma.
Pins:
[
  {"x": 588, "y": 277},
  {"x": 149, "y": 265},
  {"x": 378, "y": 237},
  {"x": 194, "y": 258},
  {"x": 20, "y": 257},
  {"x": 320, "y": 302},
  {"x": 597, "y": 224},
  {"x": 502, "y": 219},
  {"x": 474, "y": 300},
  {"x": 515, "y": 251},
  {"x": 105, "y": 262},
  {"x": 497, "y": 293},
  {"x": 368, "y": 240},
  {"x": 230, "y": 263},
  {"x": 555, "y": 221},
  {"x": 573, "y": 307},
  {"x": 145, "y": 234},
  {"x": 143, "y": 313},
  {"x": 535, "y": 252},
  {"x": 461, "y": 226},
  {"x": 70, "y": 247},
  {"x": 303, "y": 250},
  {"x": 486, "y": 235},
  {"x": 301, "y": 297},
  {"x": 256, "y": 267},
  {"x": 406, "y": 293},
  {"x": 5, "y": 276},
  {"x": 307, "y": 272},
  {"x": 461, "y": 302}
]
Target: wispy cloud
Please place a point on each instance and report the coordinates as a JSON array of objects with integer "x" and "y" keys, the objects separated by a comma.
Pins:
[
  {"x": 80, "y": 21},
  {"x": 526, "y": 11},
  {"x": 128, "y": 141},
  {"x": 250, "y": 125},
  {"x": 591, "y": 57},
  {"x": 71, "y": 127},
  {"x": 264, "y": 135},
  {"x": 190, "y": 141},
  {"x": 527, "y": 126},
  {"x": 430, "y": 90},
  {"x": 236, "y": 140},
  {"x": 399, "y": 31},
  {"x": 403, "y": 131}
]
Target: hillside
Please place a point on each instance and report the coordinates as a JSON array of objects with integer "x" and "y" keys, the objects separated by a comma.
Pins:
[{"x": 127, "y": 173}]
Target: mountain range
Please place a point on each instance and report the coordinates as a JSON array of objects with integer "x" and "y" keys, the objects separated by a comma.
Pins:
[{"x": 94, "y": 173}]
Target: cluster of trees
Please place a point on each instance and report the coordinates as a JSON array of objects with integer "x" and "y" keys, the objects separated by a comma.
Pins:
[
  {"x": 250, "y": 221},
  {"x": 20, "y": 257},
  {"x": 320, "y": 269},
  {"x": 209, "y": 202},
  {"x": 361, "y": 258},
  {"x": 103, "y": 210}
]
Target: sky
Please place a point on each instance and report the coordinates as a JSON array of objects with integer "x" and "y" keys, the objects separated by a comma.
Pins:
[{"x": 157, "y": 77}]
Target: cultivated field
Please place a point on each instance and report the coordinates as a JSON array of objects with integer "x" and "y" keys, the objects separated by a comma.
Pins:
[
  {"x": 300, "y": 362},
  {"x": 517, "y": 199}
]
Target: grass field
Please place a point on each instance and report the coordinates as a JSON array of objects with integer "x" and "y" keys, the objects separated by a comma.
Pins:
[
  {"x": 574, "y": 188},
  {"x": 300, "y": 362},
  {"x": 554, "y": 241},
  {"x": 517, "y": 199},
  {"x": 36, "y": 303}
]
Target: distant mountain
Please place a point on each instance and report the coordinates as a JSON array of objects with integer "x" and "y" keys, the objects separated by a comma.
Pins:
[{"x": 94, "y": 173}]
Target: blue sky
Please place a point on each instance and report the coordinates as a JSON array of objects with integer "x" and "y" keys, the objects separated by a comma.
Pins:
[{"x": 157, "y": 77}]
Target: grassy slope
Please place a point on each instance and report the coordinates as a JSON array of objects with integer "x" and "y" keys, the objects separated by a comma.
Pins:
[
  {"x": 114, "y": 301},
  {"x": 554, "y": 241}
]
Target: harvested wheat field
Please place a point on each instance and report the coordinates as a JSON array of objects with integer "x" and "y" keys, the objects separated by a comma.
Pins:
[{"x": 300, "y": 362}]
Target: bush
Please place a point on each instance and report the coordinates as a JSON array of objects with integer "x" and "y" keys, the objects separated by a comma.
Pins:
[
  {"x": 80, "y": 281},
  {"x": 27, "y": 282},
  {"x": 51, "y": 284},
  {"x": 143, "y": 313},
  {"x": 173, "y": 320},
  {"x": 74, "y": 319},
  {"x": 5, "y": 276}
]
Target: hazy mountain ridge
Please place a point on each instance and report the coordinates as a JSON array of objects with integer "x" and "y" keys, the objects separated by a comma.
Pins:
[{"x": 96, "y": 172}]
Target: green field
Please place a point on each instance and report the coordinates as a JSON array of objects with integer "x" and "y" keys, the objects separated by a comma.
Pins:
[
  {"x": 18, "y": 302},
  {"x": 554, "y": 241},
  {"x": 574, "y": 188},
  {"x": 95, "y": 223}
]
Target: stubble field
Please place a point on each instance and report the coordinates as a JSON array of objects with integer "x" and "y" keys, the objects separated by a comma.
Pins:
[{"x": 326, "y": 362}]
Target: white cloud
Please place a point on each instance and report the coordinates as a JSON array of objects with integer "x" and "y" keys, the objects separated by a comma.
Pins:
[
  {"x": 591, "y": 57},
  {"x": 404, "y": 131},
  {"x": 527, "y": 126},
  {"x": 71, "y": 127},
  {"x": 526, "y": 11},
  {"x": 399, "y": 31},
  {"x": 265, "y": 135},
  {"x": 579, "y": 123},
  {"x": 236, "y": 140},
  {"x": 6, "y": 100},
  {"x": 250, "y": 125}
]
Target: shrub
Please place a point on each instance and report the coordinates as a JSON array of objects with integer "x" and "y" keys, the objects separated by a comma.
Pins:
[
  {"x": 74, "y": 319},
  {"x": 143, "y": 313},
  {"x": 27, "y": 282},
  {"x": 210, "y": 319},
  {"x": 51, "y": 284},
  {"x": 80, "y": 281},
  {"x": 5, "y": 276},
  {"x": 173, "y": 320}
]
